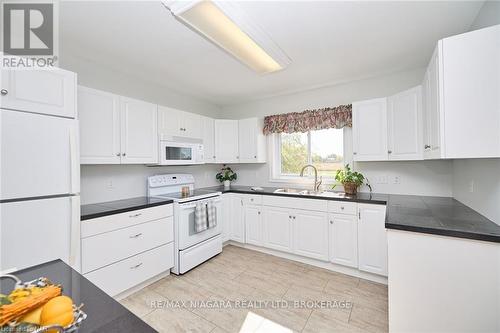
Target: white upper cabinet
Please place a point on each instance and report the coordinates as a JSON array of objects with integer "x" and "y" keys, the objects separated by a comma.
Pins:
[
  {"x": 470, "y": 92},
  {"x": 179, "y": 123},
  {"x": 431, "y": 106},
  {"x": 369, "y": 129},
  {"x": 226, "y": 141},
  {"x": 49, "y": 92},
  {"x": 139, "y": 138},
  {"x": 99, "y": 115},
  {"x": 208, "y": 129},
  {"x": 404, "y": 125},
  {"x": 252, "y": 142},
  {"x": 115, "y": 129},
  {"x": 372, "y": 239}
]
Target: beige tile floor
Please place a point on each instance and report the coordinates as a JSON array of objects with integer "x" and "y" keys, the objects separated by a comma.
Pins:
[{"x": 214, "y": 296}]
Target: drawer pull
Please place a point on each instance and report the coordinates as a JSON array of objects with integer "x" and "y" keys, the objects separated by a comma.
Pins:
[
  {"x": 136, "y": 266},
  {"x": 136, "y": 236},
  {"x": 342, "y": 207},
  {"x": 135, "y": 215}
]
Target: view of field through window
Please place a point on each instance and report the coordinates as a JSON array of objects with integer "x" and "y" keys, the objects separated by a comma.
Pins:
[{"x": 323, "y": 148}]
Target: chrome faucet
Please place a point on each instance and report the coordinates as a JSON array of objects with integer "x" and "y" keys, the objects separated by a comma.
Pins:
[{"x": 317, "y": 183}]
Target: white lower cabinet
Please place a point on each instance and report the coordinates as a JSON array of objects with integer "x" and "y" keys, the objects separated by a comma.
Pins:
[
  {"x": 343, "y": 233},
  {"x": 253, "y": 224},
  {"x": 372, "y": 239},
  {"x": 237, "y": 219},
  {"x": 344, "y": 239},
  {"x": 310, "y": 233},
  {"x": 125, "y": 274},
  {"x": 278, "y": 228},
  {"x": 142, "y": 247}
]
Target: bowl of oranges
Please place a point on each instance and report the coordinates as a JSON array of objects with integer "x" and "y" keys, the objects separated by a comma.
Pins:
[{"x": 38, "y": 306}]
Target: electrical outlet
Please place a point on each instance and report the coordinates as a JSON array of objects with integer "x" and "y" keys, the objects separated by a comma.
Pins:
[
  {"x": 109, "y": 184},
  {"x": 396, "y": 180},
  {"x": 381, "y": 179},
  {"x": 471, "y": 186}
]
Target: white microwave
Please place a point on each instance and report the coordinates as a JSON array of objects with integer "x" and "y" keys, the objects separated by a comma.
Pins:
[{"x": 176, "y": 150}]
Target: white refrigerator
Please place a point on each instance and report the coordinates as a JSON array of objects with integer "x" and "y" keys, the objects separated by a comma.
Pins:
[{"x": 39, "y": 189}]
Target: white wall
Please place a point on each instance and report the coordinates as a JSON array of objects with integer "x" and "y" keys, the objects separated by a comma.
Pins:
[
  {"x": 484, "y": 176},
  {"x": 102, "y": 183},
  {"x": 100, "y": 77},
  {"x": 420, "y": 178},
  {"x": 488, "y": 15}
]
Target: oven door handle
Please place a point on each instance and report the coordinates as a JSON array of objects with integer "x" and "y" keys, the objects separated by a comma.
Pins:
[{"x": 192, "y": 204}]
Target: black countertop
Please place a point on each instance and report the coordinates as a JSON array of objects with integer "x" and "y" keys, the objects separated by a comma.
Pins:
[
  {"x": 104, "y": 314},
  {"x": 424, "y": 214},
  {"x": 373, "y": 198},
  {"x": 93, "y": 211},
  {"x": 439, "y": 216}
]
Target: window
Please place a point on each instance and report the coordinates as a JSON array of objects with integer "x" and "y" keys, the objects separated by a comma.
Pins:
[{"x": 323, "y": 148}]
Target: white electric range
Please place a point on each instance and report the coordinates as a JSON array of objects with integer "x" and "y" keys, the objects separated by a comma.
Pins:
[{"x": 191, "y": 248}]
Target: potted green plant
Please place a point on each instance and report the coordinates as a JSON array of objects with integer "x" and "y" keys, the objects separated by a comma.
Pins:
[
  {"x": 226, "y": 175},
  {"x": 351, "y": 180}
]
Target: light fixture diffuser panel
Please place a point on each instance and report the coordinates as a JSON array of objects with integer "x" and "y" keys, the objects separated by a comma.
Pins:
[{"x": 227, "y": 26}]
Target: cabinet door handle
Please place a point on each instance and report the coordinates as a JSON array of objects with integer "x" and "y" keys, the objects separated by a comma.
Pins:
[
  {"x": 294, "y": 217},
  {"x": 389, "y": 151},
  {"x": 289, "y": 216},
  {"x": 359, "y": 215},
  {"x": 124, "y": 154},
  {"x": 136, "y": 235},
  {"x": 118, "y": 154},
  {"x": 255, "y": 156},
  {"x": 354, "y": 153},
  {"x": 258, "y": 213},
  {"x": 427, "y": 147},
  {"x": 136, "y": 266},
  {"x": 342, "y": 207},
  {"x": 237, "y": 157},
  {"x": 331, "y": 222},
  {"x": 4, "y": 92},
  {"x": 135, "y": 215}
]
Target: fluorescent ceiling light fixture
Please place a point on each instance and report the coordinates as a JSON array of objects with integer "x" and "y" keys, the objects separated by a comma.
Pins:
[{"x": 225, "y": 25}]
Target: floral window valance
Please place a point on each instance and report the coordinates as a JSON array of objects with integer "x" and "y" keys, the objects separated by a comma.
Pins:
[{"x": 336, "y": 117}]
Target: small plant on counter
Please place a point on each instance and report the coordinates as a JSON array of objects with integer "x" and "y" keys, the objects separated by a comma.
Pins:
[
  {"x": 351, "y": 180},
  {"x": 226, "y": 175}
]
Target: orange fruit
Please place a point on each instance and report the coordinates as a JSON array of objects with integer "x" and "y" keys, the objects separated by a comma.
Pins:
[{"x": 57, "y": 311}]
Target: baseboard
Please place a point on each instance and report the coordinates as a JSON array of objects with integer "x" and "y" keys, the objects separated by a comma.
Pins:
[
  {"x": 325, "y": 265},
  {"x": 140, "y": 286}
]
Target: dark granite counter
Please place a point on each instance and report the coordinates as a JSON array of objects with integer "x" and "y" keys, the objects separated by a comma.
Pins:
[
  {"x": 104, "y": 314},
  {"x": 439, "y": 216},
  {"x": 431, "y": 215},
  {"x": 93, "y": 211},
  {"x": 373, "y": 198}
]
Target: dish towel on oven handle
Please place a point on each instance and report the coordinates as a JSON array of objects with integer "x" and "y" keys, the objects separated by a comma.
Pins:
[
  {"x": 200, "y": 217},
  {"x": 212, "y": 214}
]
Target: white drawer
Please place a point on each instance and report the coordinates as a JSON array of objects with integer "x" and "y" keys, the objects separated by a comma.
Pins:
[
  {"x": 123, "y": 220},
  {"x": 123, "y": 275},
  {"x": 295, "y": 203},
  {"x": 342, "y": 207},
  {"x": 127, "y": 242},
  {"x": 252, "y": 199}
]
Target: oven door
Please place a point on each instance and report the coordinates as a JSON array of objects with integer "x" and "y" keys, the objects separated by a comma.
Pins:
[
  {"x": 187, "y": 236},
  {"x": 175, "y": 153}
]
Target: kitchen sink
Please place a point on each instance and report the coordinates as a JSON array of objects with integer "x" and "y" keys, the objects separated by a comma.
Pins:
[{"x": 293, "y": 191}]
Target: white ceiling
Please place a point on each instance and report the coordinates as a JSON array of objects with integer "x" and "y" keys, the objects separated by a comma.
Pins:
[{"x": 329, "y": 42}]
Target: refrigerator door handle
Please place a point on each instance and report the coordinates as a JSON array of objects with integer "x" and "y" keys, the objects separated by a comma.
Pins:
[
  {"x": 75, "y": 238},
  {"x": 74, "y": 159}
]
